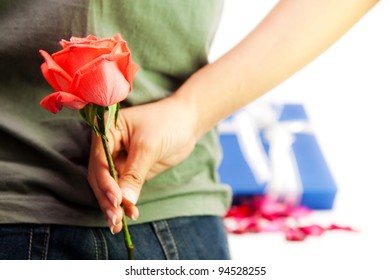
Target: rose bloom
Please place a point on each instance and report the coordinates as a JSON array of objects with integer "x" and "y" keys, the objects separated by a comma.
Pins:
[{"x": 88, "y": 70}]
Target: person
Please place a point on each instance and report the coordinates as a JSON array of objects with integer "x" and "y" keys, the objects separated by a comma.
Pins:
[{"x": 57, "y": 198}]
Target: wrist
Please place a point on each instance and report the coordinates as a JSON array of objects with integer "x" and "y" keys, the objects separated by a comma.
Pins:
[{"x": 190, "y": 98}]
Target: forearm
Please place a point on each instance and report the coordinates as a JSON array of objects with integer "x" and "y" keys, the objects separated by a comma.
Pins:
[{"x": 293, "y": 34}]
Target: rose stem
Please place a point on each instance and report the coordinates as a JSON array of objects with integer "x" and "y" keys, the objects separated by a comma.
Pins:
[{"x": 128, "y": 243}]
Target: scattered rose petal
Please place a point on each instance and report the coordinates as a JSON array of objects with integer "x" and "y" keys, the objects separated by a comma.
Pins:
[
  {"x": 269, "y": 214},
  {"x": 336, "y": 227},
  {"x": 294, "y": 234},
  {"x": 314, "y": 230},
  {"x": 300, "y": 211},
  {"x": 274, "y": 225}
]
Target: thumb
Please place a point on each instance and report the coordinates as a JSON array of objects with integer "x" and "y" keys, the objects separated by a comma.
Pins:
[{"x": 138, "y": 164}]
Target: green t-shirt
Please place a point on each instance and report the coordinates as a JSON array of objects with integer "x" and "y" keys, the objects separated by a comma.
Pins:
[{"x": 44, "y": 157}]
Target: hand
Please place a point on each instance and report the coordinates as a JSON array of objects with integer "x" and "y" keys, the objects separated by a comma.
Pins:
[{"x": 148, "y": 139}]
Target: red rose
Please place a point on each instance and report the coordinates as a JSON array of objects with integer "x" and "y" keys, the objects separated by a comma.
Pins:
[{"x": 88, "y": 70}]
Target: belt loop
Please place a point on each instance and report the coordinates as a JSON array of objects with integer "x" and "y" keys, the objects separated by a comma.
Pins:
[
  {"x": 166, "y": 239},
  {"x": 38, "y": 242}
]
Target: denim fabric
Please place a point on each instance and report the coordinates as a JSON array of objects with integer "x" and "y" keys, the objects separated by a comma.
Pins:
[{"x": 200, "y": 237}]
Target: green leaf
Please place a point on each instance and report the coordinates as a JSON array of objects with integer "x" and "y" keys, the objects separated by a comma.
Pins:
[
  {"x": 92, "y": 111},
  {"x": 100, "y": 119},
  {"x": 118, "y": 106},
  {"x": 88, "y": 114},
  {"x": 112, "y": 112}
]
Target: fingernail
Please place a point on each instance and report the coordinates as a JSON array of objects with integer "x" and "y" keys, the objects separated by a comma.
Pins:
[
  {"x": 129, "y": 194},
  {"x": 112, "y": 230},
  {"x": 112, "y": 217},
  {"x": 135, "y": 214},
  {"x": 112, "y": 199},
  {"x": 134, "y": 217}
]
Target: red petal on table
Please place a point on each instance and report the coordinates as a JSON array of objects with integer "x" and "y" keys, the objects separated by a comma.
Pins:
[
  {"x": 239, "y": 211},
  {"x": 274, "y": 225},
  {"x": 253, "y": 225},
  {"x": 314, "y": 230},
  {"x": 294, "y": 234},
  {"x": 269, "y": 214},
  {"x": 336, "y": 227},
  {"x": 300, "y": 211},
  {"x": 242, "y": 225},
  {"x": 270, "y": 208}
]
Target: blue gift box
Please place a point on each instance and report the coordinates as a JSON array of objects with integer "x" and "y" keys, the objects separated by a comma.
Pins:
[{"x": 317, "y": 186}]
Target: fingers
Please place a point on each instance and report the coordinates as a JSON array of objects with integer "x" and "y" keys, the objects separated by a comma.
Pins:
[
  {"x": 133, "y": 157},
  {"x": 132, "y": 211},
  {"x": 107, "y": 191},
  {"x": 105, "y": 188},
  {"x": 138, "y": 164}
]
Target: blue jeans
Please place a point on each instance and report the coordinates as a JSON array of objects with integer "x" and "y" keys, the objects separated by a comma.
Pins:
[{"x": 200, "y": 237}]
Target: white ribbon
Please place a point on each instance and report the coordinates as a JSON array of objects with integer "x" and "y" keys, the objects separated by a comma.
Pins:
[
  {"x": 246, "y": 125},
  {"x": 279, "y": 169}
]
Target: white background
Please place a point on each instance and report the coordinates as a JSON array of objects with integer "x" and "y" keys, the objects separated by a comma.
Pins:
[{"x": 345, "y": 92}]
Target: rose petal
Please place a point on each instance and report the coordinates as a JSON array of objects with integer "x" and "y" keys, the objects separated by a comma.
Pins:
[
  {"x": 235, "y": 226},
  {"x": 268, "y": 214},
  {"x": 253, "y": 225},
  {"x": 109, "y": 43},
  {"x": 72, "y": 58},
  {"x": 128, "y": 68},
  {"x": 274, "y": 225},
  {"x": 91, "y": 40},
  {"x": 101, "y": 82},
  {"x": 118, "y": 37},
  {"x": 314, "y": 230},
  {"x": 241, "y": 211},
  {"x": 336, "y": 227},
  {"x": 272, "y": 209},
  {"x": 54, "y": 74},
  {"x": 300, "y": 211},
  {"x": 130, "y": 72},
  {"x": 55, "y": 101},
  {"x": 293, "y": 234},
  {"x": 77, "y": 40}
]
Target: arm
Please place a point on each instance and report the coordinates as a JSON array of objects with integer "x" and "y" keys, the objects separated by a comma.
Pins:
[
  {"x": 294, "y": 33},
  {"x": 159, "y": 135}
]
